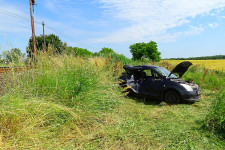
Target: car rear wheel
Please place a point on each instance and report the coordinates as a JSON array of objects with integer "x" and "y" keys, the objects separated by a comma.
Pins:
[{"x": 172, "y": 97}]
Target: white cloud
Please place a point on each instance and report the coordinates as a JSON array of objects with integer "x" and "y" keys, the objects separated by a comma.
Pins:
[
  {"x": 11, "y": 23},
  {"x": 151, "y": 19},
  {"x": 213, "y": 25}
]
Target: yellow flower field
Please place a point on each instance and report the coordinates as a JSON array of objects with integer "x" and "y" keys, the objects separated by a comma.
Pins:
[{"x": 218, "y": 64}]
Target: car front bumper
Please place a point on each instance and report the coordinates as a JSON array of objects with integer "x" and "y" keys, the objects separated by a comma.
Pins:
[{"x": 192, "y": 97}]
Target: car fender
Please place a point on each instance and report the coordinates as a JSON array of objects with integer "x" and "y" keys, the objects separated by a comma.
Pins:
[{"x": 177, "y": 89}]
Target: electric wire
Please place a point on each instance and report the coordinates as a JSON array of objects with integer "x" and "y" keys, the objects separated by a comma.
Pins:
[
  {"x": 13, "y": 15},
  {"x": 62, "y": 34},
  {"x": 36, "y": 22},
  {"x": 39, "y": 23}
]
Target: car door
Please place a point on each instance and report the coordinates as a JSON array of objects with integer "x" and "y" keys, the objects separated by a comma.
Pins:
[
  {"x": 152, "y": 85},
  {"x": 157, "y": 86}
]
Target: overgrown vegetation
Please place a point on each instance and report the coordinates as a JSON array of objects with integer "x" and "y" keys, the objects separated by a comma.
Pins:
[
  {"x": 47, "y": 107},
  {"x": 74, "y": 102},
  {"x": 76, "y": 51},
  {"x": 216, "y": 118},
  {"x": 105, "y": 52},
  {"x": 12, "y": 56}
]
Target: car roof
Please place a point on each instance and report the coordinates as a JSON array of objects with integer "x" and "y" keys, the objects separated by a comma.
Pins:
[{"x": 140, "y": 67}]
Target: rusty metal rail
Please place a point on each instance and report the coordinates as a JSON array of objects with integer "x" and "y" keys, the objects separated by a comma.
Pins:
[{"x": 15, "y": 69}]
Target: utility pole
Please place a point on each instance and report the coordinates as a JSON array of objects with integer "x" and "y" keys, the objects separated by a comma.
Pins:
[
  {"x": 44, "y": 36},
  {"x": 32, "y": 2}
]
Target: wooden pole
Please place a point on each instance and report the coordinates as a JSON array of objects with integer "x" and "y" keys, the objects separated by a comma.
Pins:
[
  {"x": 32, "y": 26},
  {"x": 44, "y": 36}
]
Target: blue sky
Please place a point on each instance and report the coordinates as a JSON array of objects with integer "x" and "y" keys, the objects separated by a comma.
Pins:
[{"x": 182, "y": 28}]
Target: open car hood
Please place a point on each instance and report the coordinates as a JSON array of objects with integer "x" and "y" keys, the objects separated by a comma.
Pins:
[{"x": 181, "y": 68}]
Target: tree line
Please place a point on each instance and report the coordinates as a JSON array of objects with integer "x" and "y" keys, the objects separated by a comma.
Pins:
[
  {"x": 54, "y": 46},
  {"x": 199, "y": 58}
]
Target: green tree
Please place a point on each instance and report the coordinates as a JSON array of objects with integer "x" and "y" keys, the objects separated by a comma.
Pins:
[
  {"x": 105, "y": 52},
  {"x": 51, "y": 40},
  {"x": 14, "y": 55},
  {"x": 1, "y": 60},
  {"x": 148, "y": 50},
  {"x": 82, "y": 52},
  {"x": 78, "y": 51}
]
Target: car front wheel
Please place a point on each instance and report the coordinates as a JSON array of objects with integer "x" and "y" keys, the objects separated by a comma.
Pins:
[{"x": 172, "y": 97}]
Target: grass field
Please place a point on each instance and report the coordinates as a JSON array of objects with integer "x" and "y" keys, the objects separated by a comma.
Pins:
[
  {"x": 75, "y": 103},
  {"x": 208, "y": 64}
]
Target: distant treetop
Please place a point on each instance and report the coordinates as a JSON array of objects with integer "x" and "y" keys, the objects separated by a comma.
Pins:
[{"x": 200, "y": 58}]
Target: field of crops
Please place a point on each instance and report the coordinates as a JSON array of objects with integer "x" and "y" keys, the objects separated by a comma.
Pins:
[{"x": 209, "y": 64}]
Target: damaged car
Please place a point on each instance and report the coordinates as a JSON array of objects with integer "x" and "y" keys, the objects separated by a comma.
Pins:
[{"x": 156, "y": 82}]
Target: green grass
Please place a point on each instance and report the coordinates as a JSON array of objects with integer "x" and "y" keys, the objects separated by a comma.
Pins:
[
  {"x": 74, "y": 103},
  {"x": 216, "y": 118}
]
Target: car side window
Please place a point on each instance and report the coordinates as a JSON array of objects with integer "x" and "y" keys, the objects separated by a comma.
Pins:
[
  {"x": 148, "y": 73},
  {"x": 155, "y": 75}
]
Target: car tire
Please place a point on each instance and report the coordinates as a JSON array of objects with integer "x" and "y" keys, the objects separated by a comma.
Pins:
[{"x": 172, "y": 97}]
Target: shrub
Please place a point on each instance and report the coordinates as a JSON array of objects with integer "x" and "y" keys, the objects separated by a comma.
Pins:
[
  {"x": 78, "y": 52},
  {"x": 216, "y": 118},
  {"x": 13, "y": 56},
  {"x": 121, "y": 58}
]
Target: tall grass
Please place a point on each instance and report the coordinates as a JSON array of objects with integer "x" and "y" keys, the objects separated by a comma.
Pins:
[
  {"x": 213, "y": 80},
  {"x": 47, "y": 106},
  {"x": 69, "y": 102},
  {"x": 61, "y": 78},
  {"x": 215, "y": 120}
]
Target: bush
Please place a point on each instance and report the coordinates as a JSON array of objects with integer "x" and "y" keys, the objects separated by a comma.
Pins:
[
  {"x": 13, "y": 56},
  {"x": 216, "y": 119},
  {"x": 105, "y": 52},
  {"x": 108, "y": 52},
  {"x": 78, "y": 52},
  {"x": 121, "y": 58}
]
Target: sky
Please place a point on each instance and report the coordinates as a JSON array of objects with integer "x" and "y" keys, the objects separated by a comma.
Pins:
[{"x": 181, "y": 28}]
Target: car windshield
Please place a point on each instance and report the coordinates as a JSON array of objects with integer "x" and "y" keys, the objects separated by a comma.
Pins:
[{"x": 165, "y": 72}]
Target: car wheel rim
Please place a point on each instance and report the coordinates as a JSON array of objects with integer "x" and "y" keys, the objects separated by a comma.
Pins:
[{"x": 172, "y": 98}]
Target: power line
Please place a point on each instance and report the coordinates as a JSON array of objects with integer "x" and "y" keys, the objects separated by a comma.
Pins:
[
  {"x": 13, "y": 15},
  {"x": 40, "y": 23},
  {"x": 62, "y": 34},
  {"x": 17, "y": 16},
  {"x": 36, "y": 22}
]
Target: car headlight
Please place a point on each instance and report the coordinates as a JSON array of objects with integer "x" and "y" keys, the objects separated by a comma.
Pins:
[{"x": 187, "y": 87}]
